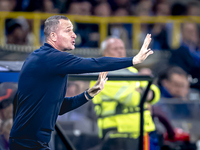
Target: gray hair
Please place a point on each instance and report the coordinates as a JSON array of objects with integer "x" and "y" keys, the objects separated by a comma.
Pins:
[
  {"x": 104, "y": 44},
  {"x": 51, "y": 24}
]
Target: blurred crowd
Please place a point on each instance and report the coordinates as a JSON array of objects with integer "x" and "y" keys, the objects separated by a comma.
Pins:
[
  {"x": 88, "y": 34},
  {"x": 186, "y": 55},
  {"x": 7, "y": 95}
]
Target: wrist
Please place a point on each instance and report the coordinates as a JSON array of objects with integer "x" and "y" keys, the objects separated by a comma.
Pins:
[
  {"x": 135, "y": 60},
  {"x": 87, "y": 95}
]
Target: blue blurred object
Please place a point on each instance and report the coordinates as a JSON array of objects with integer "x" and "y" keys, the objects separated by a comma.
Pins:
[{"x": 9, "y": 76}]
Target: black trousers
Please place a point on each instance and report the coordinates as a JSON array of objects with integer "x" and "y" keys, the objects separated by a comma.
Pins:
[
  {"x": 121, "y": 144},
  {"x": 23, "y": 144}
]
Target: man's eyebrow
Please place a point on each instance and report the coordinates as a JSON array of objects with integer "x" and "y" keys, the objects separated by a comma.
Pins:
[{"x": 69, "y": 27}]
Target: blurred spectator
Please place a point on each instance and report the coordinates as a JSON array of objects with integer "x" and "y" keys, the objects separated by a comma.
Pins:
[
  {"x": 83, "y": 7},
  {"x": 159, "y": 30},
  {"x": 102, "y": 9},
  {"x": 86, "y": 8},
  {"x": 17, "y": 31},
  {"x": 193, "y": 8},
  {"x": 8, "y": 5},
  {"x": 190, "y": 36},
  {"x": 84, "y": 114},
  {"x": 187, "y": 56},
  {"x": 88, "y": 34},
  {"x": 74, "y": 8},
  {"x": 48, "y": 7},
  {"x": 121, "y": 3},
  {"x": 36, "y": 5},
  {"x": 7, "y": 94},
  {"x": 173, "y": 83},
  {"x": 5, "y": 132},
  {"x": 143, "y": 8},
  {"x": 118, "y": 30},
  {"x": 178, "y": 9}
]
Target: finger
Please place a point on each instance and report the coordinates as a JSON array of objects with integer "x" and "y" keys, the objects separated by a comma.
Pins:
[
  {"x": 105, "y": 74},
  {"x": 99, "y": 78},
  {"x": 146, "y": 41},
  {"x": 106, "y": 80},
  {"x": 149, "y": 42},
  {"x": 149, "y": 52}
]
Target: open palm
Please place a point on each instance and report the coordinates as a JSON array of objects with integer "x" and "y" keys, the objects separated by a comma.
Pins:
[{"x": 144, "y": 51}]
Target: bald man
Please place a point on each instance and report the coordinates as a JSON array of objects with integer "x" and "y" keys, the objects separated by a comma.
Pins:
[{"x": 117, "y": 105}]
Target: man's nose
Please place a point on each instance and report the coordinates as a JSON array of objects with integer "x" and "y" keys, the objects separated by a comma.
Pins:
[{"x": 74, "y": 35}]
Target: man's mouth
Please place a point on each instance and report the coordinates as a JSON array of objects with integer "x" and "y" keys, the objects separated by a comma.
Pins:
[{"x": 73, "y": 42}]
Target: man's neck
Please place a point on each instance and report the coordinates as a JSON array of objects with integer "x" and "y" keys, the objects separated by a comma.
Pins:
[{"x": 53, "y": 45}]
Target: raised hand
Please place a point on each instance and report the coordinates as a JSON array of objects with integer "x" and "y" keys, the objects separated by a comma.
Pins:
[
  {"x": 98, "y": 87},
  {"x": 144, "y": 51}
]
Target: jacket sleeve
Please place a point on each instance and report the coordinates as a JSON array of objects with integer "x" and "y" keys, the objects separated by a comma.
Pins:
[
  {"x": 70, "y": 103},
  {"x": 156, "y": 92},
  {"x": 66, "y": 63}
]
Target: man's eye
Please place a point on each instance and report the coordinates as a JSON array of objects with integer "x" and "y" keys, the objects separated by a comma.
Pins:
[{"x": 68, "y": 30}]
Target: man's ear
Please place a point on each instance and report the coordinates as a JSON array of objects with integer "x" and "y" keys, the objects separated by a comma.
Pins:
[
  {"x": 53, "y": 36},
  {"x": 105, "y": 52}
]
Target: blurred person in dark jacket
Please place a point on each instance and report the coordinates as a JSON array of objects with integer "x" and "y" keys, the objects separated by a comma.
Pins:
[
  {"x": 187, "y": 56},
  {"x": 160, "y": 30},
  {"x": 87, "y": 34},
  {"x": 173, "y": 83},
  {"x": 16, "y": 32}
]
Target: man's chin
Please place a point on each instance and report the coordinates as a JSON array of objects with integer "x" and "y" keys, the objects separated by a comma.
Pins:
[{"x": 69, "y": 49}]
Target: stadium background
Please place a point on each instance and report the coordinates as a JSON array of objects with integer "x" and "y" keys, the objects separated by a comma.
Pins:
[{"x": 171, "y": 22}]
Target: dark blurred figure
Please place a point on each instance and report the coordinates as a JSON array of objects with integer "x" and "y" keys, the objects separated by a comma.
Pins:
[
  {"x": 178, "y": 9},
  {"x": 74, "y": 8},
  {"x": 159, "y": 30},
  {"x": 17, "y": 31},
  {"x": 36, "y": 5},
  {"x": 193, "y": 8},
  {"x": 8, "y": 5},
  {"x": 47, "y": 6},
  {"x": 88, "y": 34},
  {"x": 187, "y": 56},
  {"x": 143, "y": 8},
  {"x": 115, "y": 4},
  {"x": 120, "y": 30},
  {"x": 7, "y": 94},
  {"x": 5, "y": 132},
  {"x": 102, "y": 9},
  {"x": 173, "y": 83}
]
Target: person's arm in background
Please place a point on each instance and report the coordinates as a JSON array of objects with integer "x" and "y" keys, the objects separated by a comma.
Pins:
[
  {"x": 70, "y": 103},
  {"x": 154, "y": 92},
  {"x": 153, "y": 95}
]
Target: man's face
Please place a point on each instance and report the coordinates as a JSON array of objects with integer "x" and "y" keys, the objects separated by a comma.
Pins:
[
  {"x": 115, "y": 48},
  {"x": 177, "y": 85},
  {"x": 190, "y": 33},
  {"x": 65, "y": 36}
]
